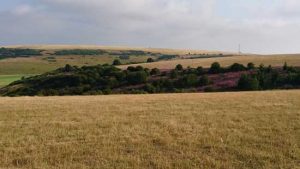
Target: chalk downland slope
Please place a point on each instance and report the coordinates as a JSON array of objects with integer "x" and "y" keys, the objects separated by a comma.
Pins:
[{"x": 274, "y": 60}]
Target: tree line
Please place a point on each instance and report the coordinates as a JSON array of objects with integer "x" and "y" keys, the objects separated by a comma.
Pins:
[{"x": 108, "y": 79}]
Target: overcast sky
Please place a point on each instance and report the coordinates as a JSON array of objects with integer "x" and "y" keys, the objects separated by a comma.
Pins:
[{"x": 260, "y": 26}]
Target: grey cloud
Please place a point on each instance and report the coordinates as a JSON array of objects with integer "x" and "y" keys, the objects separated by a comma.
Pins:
[{"x": 155, "y": 23}]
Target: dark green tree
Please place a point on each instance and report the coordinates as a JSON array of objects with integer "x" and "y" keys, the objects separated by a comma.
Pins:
[
  {"x": 250, "y": 66},
  {"x": 179, "y": 67},
  {"x": 215, "y": 68},
  {"x": 116, "y": 62},
  {"x": 149, "y": 60},
  {"x": 247, "y": 82}
]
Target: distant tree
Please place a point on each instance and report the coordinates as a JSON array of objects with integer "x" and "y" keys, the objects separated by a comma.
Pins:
[
  {"x": 189, "y": 80},
  {"x": 150, "y": 88},
  {"x": 237, "y": 67},
  {"x": 149, "y": 60},
  {"x": 154, "y": 71},
  {"x": 269, "y": 69},
  {"x": 138, "y": 77},
  {"x": 200, "y": 70},
  {"x": 179, "y": 67},
  {"x": 247, "y": 82},
  {"x": 285, "y": 66},
  {"x": 215, "y": 68},
  {"x": 68, "y": 68},
  {"x": 204, "y": 80},
  {"x": 250, "y": 66},
  {"x": 261, "y": 67},
  {"x": 173, "y": 74},
  {"x": 116, "y": 62},
  {"x": 139, "y": 68}
]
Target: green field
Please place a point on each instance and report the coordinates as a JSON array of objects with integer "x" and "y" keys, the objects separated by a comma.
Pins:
[{"x": 7, "y": 79}]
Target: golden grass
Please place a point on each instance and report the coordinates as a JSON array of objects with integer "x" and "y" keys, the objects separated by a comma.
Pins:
[
  {"x": 274, "y": 60},
  {"x": 220, "y": 130}
]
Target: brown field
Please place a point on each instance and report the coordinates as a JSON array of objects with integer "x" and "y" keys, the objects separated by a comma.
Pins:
[
  {"x": 219, "y": 130},
  {"x": 274, "y": 60}
]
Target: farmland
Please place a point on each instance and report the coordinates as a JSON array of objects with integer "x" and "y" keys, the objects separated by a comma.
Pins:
[
  {"x": 6, "y": 79},
  {"x": 274, "y": 60},
  {"x": 219, "y": 130},
  {"x": 48, "y": 61}
]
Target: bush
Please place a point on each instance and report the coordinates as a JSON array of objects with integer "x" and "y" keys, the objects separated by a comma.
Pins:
[
  {"x": 215, "y": 68},
  {"x": 139, "y": 77},
  {"x": 247, "y": 82},
  {"x": 204, "y": 80},
  {"x": 285, "y": 66},
  {"x": 236, "y": 67},
  {"x": 179, "y": 67},
  {"x": 200, "y": 70},
  {"x": 154, "y": 71},
  {"x": 189, "y": 80},
  {"x": 173, "y": 74},
  {"x": 116, "y": 62},
  {"x": 150, "y": 88},
  {"x": 250, "y": 66},
  {"x": 149, "y": 60},
  {"x": 135, "y": 69},
  {"x": 68, "y": 68}
]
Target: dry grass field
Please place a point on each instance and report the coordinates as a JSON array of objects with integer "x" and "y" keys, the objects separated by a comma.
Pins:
[
  {"x": 274, "y": 60},
  {"x": 220, "y": 130}
]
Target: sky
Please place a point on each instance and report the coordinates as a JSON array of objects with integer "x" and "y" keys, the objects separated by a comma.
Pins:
[{"x": 260, "y": 26}]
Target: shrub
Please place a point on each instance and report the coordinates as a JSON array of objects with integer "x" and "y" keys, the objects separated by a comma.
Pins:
[
  {"x": 200, "y": 70},
  {"x": 189, "y": 80},
  {"x": 154, "y": 71},
  {"x": 138, "y": 77},
  {"x": 116, "y": 62},
  {"x": 173, "y": 74},
  {"x": 68, "y": 68},
  {"x": 135, "y": 69},
  {"x": 285, "y": 66},
  {"x": 250, "y": 66},
  {"x": 247, "y": 82},
  {"x": 215, "y": 68},
  {"x": 150, "y": 88},
  {"x": 237, "y": 67},
  {"x": 204, "y": 80},
  {"x": 149, "y": 60},
  {"x": 179, "y": 67}
]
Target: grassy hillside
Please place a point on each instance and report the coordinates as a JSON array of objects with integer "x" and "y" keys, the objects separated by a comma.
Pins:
[
  {"x": 38, "y": 65},
  {"x": 274, "y": 60},
  {"x": 221, "y": 130},
  {"x": 6, "y": 79}
]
